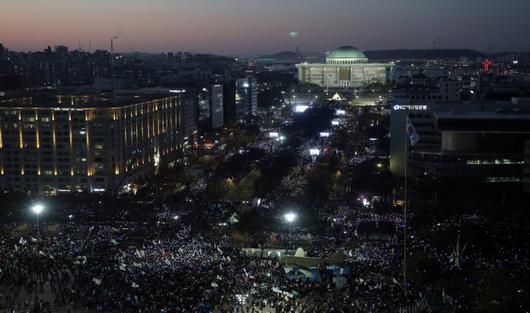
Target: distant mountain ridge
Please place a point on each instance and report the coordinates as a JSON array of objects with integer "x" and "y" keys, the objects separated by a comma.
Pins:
[
  {"x": 397, "y": 54},
  {"x": 280, "y": 55},
  {"x": 394, "y": 54}
]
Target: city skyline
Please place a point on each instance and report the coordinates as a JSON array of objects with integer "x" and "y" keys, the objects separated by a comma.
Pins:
[{"x": 232, "y": 27}]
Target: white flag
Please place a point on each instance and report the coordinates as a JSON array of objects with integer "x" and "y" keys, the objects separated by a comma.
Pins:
[{"x": 414, "y": 137}]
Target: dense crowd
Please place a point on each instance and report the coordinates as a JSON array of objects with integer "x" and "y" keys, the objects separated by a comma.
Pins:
[
  {"x": 168, "y": 267},
  {"x": 182, "y": 255}
]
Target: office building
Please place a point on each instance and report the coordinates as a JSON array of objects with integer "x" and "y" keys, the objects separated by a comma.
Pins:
[
  {"x": 210, "y": 102},
  {"x": 416, "y": 98},
  {"x": 246, "y": 97},
  {"x": 229, "y": 102},
  {"x": 240, "y": 99},
  {"x": 466, "y": 151},
  {"x": 421, "y": 90},
  {"x": 51, "y": 144}
]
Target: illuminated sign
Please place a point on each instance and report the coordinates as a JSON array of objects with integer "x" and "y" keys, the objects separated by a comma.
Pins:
[
  {"x": 412, "y": 107},
  {"x": 335, "y": 123},
  {"x": 274, "y": 134},
  {"x": 324, "y": 134},
  {"x": 340, "y": 112}
]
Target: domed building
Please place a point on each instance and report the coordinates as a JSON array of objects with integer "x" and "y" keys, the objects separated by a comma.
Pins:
[
  {"x": 346, "y": 55},
  {"x": 345, "y": 67}
]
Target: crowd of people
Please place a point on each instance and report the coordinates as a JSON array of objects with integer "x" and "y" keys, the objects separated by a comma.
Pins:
[
  {"x": 181, "y": 256},
  {"x": 171, "y": 266}
]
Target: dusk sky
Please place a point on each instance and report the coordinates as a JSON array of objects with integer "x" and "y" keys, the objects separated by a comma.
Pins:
[{"x": 262, "y": 26}]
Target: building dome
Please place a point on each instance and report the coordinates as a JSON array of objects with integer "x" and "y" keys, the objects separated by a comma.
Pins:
[
  {"x": 346, "y": 55},
  {"x": 347, "y": 52}
]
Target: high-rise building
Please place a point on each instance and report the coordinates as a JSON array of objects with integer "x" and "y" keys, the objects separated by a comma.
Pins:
[
  {"x": 216, "y": 106},
  {"x": 210, "y": 101},
  {"x": 189, "y": 116},
  {"x": 240, "y": 99},
  {"x": 229, "y": 102},
  {"x": 246, "y": 97},
  {"x": 51, "y": 144}
]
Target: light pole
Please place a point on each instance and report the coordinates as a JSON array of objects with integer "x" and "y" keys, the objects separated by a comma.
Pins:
[
  {"x": 290, "y": 217},
  {"x": 37, "y": 209}
]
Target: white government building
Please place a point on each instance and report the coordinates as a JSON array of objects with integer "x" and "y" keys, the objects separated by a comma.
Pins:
[{"x": 345, "y": 67}]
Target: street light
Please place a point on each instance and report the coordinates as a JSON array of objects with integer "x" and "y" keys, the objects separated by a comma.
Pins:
[
  {"x": 37, "y": 209},
  {"x": 290, "y": 217}
]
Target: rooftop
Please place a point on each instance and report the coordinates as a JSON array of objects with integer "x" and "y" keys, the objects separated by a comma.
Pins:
[
  {"x": 346, "y": 52},
  {"x": 515, "y": 114},
  {"x": 103, "y": 100},
  {"x": 484, "y": 121}
]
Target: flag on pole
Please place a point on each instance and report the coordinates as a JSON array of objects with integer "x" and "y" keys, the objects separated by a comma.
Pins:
[{"x": 414, "y": 137}]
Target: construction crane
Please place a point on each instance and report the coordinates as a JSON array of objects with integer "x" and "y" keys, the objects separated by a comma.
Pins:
[{"x": 115, "y": 37}]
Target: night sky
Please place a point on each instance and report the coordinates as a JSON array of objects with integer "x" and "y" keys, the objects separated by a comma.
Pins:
[{"x": 235, "y": 27}]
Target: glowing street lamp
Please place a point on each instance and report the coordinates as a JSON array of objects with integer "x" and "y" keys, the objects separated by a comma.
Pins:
[
  {"x": 37, "y": 209},
  {"x": 290, "y": 217}
]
